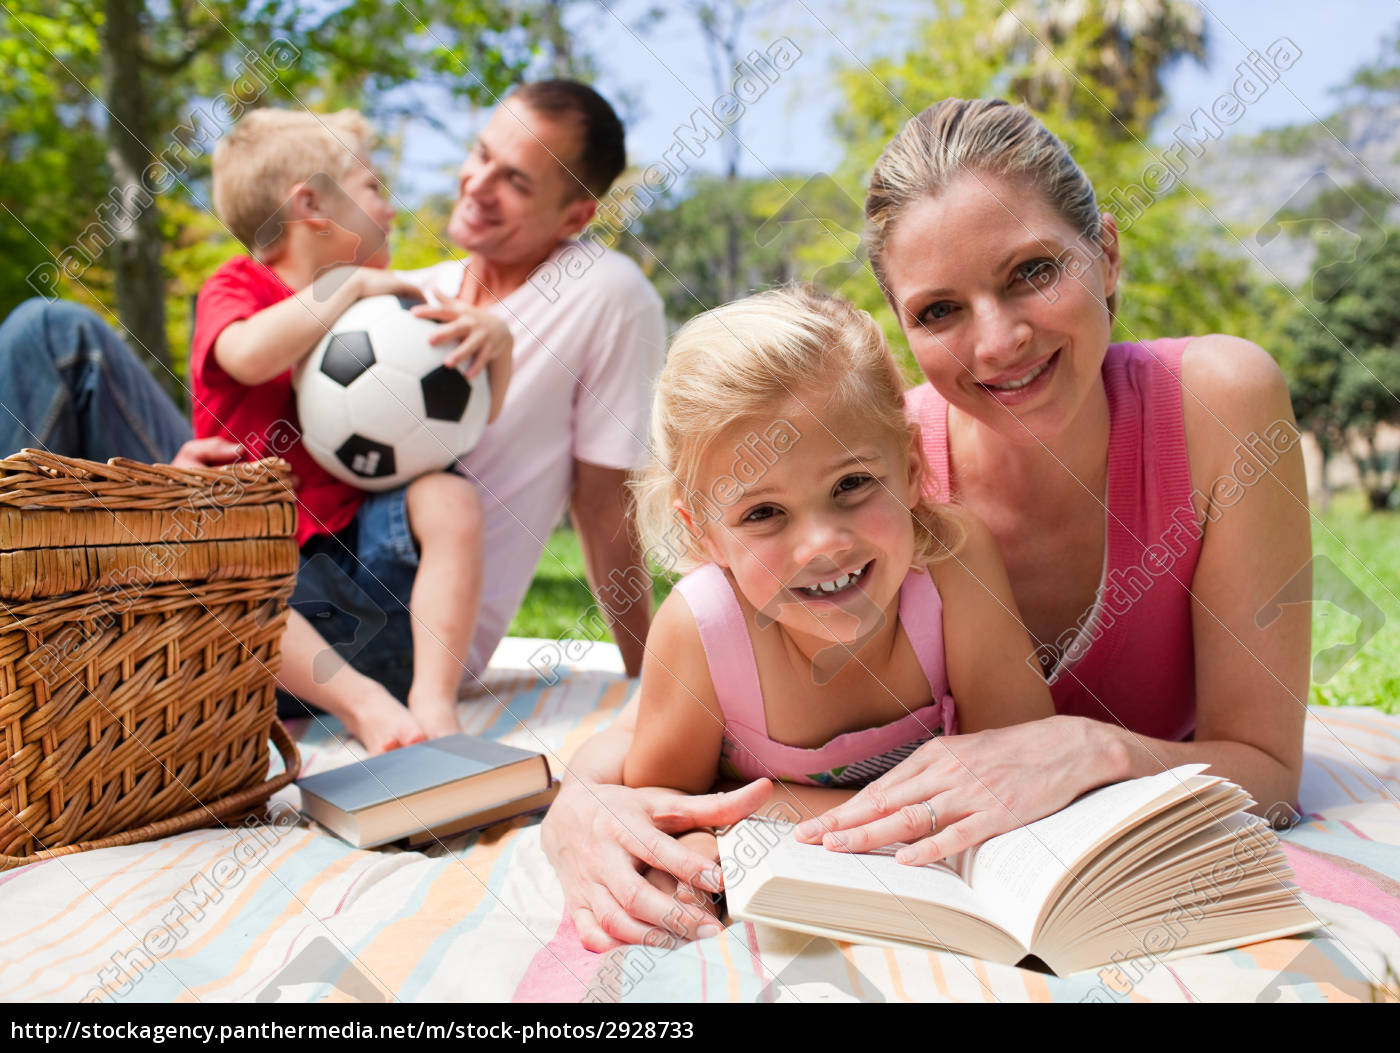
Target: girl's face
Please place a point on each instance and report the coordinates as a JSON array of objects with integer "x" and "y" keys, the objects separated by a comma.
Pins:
[
  {"x": 821, "y": 539},
  {"x": 1003, "y": 303}
]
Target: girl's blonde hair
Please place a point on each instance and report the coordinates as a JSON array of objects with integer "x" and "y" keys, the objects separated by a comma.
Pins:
[
  {"x": 267, "y": 153},
  {"x": 744, "y": 360},
  {"x": 988, "y": 137}
]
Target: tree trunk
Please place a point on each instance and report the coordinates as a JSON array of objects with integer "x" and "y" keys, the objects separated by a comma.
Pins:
[
  {"x": 136, "y": 245},
  {"x": 1324, "y": 488},
  {"x": 731, "y": 224},
  {"x": 561, "y": 52}
]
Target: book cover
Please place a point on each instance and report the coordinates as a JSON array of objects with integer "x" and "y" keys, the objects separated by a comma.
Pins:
[{"x": 404, "y": 772}]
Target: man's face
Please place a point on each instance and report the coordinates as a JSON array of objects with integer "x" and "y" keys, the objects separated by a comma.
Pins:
[{"x": 516, "y": 200}]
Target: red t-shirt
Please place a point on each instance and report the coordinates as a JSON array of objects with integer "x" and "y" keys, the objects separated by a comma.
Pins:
[{"x": 262, "y": 418}]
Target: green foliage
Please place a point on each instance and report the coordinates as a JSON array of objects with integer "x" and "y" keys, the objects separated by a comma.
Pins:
[
  {"x": 202, "y": 63},
  {"x": 1379, "y": 81},
  {"x": 51, "y": 152},
  {"x": 420, "y": 237},
  {"x": 559, "y": 602},
  {"x": 680, "y": 240},
  {"x": 1100, "y": 100},
  {"x": 1342, "y": 353},
  {"x": 1366, "y": 550},
  {"x": 1102, "y": 61}
]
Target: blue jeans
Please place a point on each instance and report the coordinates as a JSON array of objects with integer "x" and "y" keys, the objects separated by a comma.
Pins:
[
  {"x": 354, "y": 587},
  {"x": 68, "y": 384}
]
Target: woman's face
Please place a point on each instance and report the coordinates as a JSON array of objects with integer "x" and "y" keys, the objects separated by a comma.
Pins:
[{"x": 1003, "y": 303}]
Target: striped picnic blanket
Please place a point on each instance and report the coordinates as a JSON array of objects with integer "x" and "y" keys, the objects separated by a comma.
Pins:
[{"x": 286, "y": 912}]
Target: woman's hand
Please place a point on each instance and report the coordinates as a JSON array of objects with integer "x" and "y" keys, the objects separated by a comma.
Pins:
[
  {"x": 979, "y": 785},
  {"x": 600, "y": 836}
]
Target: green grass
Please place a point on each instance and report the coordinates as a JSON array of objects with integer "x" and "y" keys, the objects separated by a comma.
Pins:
[
  {"x": 1356, "y": 552},
  {"x": 558, "y": 601}
]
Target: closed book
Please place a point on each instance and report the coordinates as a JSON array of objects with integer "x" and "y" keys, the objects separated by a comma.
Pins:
[
  {"x": 530, "y": 803},
  {"x": 420, "y": 787}
]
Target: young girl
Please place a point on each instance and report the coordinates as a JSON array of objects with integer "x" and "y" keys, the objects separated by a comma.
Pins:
[{"x": 833, "y": 613}]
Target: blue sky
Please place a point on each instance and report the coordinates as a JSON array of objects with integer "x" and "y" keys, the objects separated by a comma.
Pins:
[{"x": 662, "y": 75}]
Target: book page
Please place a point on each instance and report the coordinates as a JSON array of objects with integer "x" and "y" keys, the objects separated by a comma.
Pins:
[
  {"x": 756, "y": 849},
  {"x": 1017, "y": 871}
]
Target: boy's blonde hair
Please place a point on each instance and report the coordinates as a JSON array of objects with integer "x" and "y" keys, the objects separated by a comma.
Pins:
[
  {"x": 267, "y": 153},
  {"x": 986, "y": 137},
  {"x": 746, "y": 359}
]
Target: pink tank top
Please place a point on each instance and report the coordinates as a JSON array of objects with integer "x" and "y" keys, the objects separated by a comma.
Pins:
[
  {"x": 1132, "y": 660},
  {"x": 850, "y": 759}
]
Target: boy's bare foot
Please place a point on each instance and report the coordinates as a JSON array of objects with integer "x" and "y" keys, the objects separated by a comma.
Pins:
[
  {"x": 382, "y": 723},
  {"x": 437, "y": 716}
]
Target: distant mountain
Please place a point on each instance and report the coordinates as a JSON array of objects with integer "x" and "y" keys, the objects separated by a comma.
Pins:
[{"x": 1280, "y": 189}]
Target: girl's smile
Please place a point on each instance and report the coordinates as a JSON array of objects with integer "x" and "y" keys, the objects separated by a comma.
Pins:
[{"x": 821, "y": 543}]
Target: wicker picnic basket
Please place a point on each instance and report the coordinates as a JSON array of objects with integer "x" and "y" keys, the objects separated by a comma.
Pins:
[{"x": 141, "y": 609}]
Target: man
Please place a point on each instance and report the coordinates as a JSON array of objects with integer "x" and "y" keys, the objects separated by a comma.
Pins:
[
  {"x": 589, "y": 338},
  {"x": 575, "y": 416}
]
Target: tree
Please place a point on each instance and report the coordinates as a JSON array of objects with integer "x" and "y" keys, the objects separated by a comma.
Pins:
[
  {"x": 1100, "y": 92},
  {"x": 1342, "y": 357},
  {"x": 681, "y": 245},
  {"x": 51, "y": 152},
  {"x": 722, "y": 28},
  {"x": 1106, "y": 57},
  {"x": 162, "y": 79}
]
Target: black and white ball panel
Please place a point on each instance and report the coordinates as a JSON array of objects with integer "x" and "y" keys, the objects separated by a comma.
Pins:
[{"x": 347, "y": 356}]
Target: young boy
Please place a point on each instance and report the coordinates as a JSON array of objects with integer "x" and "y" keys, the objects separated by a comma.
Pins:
[{"x": 392, "y": 579}]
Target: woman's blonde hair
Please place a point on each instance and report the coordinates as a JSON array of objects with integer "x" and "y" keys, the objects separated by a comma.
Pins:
[
  {"x": 745, "y": 360},
  {"x": 988, "y": 137},
  {"x": 268, "y": 152}
]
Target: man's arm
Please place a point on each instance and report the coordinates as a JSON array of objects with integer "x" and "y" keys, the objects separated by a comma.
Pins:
[{"x": 612, "y": 555}]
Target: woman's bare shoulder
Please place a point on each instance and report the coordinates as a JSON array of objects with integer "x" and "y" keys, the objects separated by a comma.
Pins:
[{"x": 1233, "y": 395}]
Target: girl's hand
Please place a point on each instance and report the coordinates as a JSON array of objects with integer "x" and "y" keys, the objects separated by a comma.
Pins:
[
  {"x": 707, "y": 845},
  {"x": 979, "y": 785},
  {"x": 599, "y": 836}
]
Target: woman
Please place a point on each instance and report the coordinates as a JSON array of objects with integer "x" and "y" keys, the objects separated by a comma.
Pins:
[{"x": 1148, "y": 499}]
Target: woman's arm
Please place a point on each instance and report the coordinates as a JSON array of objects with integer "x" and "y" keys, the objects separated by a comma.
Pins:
[
  {"x": 1252, "y": 634},
  {"x": 1251, "y": 615}
]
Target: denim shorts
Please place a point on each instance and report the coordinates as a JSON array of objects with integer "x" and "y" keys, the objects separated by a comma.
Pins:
[{"x": 354, "y": 587}]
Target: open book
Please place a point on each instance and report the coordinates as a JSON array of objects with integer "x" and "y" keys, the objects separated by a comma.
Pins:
[{"x": 1146, "y": 868}]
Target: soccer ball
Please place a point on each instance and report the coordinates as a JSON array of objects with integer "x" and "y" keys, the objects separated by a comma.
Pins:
[{"x": 377, "y": 406}]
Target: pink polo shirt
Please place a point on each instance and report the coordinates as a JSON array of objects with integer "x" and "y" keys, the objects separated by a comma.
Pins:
[{"x": 589, "y": 341}]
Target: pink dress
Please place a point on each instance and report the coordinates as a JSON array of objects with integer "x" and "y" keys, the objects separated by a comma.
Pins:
[
  {"x": 1132, "y": 659},
  {"x": 850, "y": 759}
]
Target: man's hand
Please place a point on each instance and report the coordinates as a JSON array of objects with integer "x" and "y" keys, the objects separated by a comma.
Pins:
[
  {"x": 207, "y": 453},
  {"x": 477, "y": 340},
  {"x": 599, "y": 837}
]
